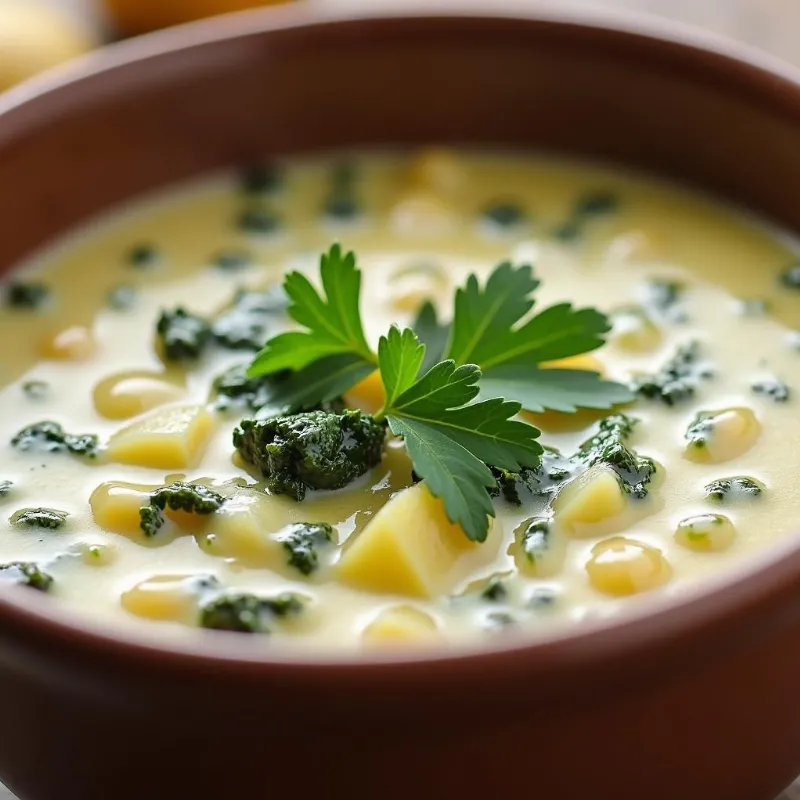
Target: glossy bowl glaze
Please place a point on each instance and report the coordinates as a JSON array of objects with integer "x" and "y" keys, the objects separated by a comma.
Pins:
[{"x": 693, "y": 701}]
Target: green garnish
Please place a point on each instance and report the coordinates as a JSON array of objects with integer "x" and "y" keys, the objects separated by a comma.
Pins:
[
  {"x": 791, "y": 276},
  {"x": 181, "y": 335},
  {"x": 232, "y": 260},
  {"x": 192, "y": 498},
  {"x": 739, "y": 487},
  {"x": 47, "y": 518},
  {"x": 259, "y": 221},
  {"x": 122, "y": 297},
  {"x": 504, "y": 214},
  {"x": 28, "y": 295},
  {"x": 773, "y": 388},
  {"x": 25, "y": 573},
  {"x": 678, "y": 378},
  {"x": 303, "y": 542},
  {"x": 36, "y": 390},
  {"x": 50, "y": 437},
  {"x": 493, "y": 347},
  {"x": 5, "y": 487},
  {"x": 260, "y": 178},
  {"x": 246, "y": 613},
  {"x": 142, "y": 256}
]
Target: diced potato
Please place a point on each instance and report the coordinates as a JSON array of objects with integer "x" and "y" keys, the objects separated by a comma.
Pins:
[
  {"x": 422, "y": 214},
  {"x": 71, "y": 344},
  {"x": 368, "y": 394},
  {"x": 244, "y": 528},
  {"x": 437, "y": 170},
  {"x": 170, "y": 438},
  {"x": 401, "y": 625},
  {"x": 411, "y": 548},
  {"x": 620, "y": 566},
  {"x": 115, "y": 505},
  {"x": 127, "y": 394},
  {"x": 171, "y": 598},
  {"x": 539, "y": 549},
  {"x": 588, "y": 501},
  {"x": 635, "y": 331},
  {"x": 719, "y": 436},
  {"x": 705, "y": 532}
]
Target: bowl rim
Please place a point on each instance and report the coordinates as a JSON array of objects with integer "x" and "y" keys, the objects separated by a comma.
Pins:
[{"x": 653, "y": 630}]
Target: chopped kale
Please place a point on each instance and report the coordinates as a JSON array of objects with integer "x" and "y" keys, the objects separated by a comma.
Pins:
[
  {"x": 142, "y": 255},
  {"x": 677, "y": 379},
  {"x": 28, "y": 295},
  {"x": 724, "y": 490},
  {"x": 25, "y": 573},
  {"x": 567, "y": 231},
  {"x": 607, "y": 446},
  {"x": 122, "y": 297},
  {"x": 246, "y": 613},
  {"x": 258, "y": 221},
  {"x": 36, "y": 390},
  {"x": 193, "y": 498},
  {"x": 503, "y": 214},
  {"x": 303, "y": 541},
  {"x": 48, "y": 518},
  {"x": 495, "y": 591},
  {"x": 311, "y": 450},
  {"x": 664, "y": 297},
  {"x": 232, "y": 260},
  {"x": 791, "y": 276},
  {"x": 150, "y": 520},
  {"x": 246, "y": 323},
  {"x": 774, "y": 388},
  {"x": 596, "y": 203},
  {"x": 6, "y": 487},
  {"x": 50, "y": 437},
  {"x": 260, "y": 178},
  {"x": 234, "y": 388},
  {"x": 545, "y": 479},
  {"x": 700, "y": 429},
  {"x": 182, "y": 336}
]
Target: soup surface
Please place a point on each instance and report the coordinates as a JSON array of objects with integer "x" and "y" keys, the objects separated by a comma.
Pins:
[{"x": 685, "y": 484}]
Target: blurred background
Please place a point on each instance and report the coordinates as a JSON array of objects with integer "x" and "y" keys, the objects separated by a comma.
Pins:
[{"x": 35, "y": 34}]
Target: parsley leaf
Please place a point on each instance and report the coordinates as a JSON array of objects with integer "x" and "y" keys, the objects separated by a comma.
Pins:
[
  {"x": 450, "y": 439},
  {"x": 431, "y": 333},
  {"x": 492, "y": 328},
  {"x": 332, "y": 322}
]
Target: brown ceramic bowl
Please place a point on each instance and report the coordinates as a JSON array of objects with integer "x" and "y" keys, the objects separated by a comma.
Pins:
[{"x": 693, "y": 701}]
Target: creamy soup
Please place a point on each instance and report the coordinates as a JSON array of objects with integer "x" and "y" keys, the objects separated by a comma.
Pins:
[{"x": 131, "y": 338}]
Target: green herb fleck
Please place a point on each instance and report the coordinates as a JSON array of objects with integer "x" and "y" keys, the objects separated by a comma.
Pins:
[
  {"x": 303, "y": 541},
  {"x": 27, "y": 295},
  {"x": 773, "y": 388},
  {"x": 246, "y": 613},
  {"x": 232, "y": 260},
  {"x": 47, "y": 518},
  {"x": 25, "y": 573},
  {"x": 181, "y": 335},
  {"x": 678, "y": 378},
  {"x": 245, "y": 323},
  {"x": 790, "y": 277},
  {"x": 50, "y": 437},
  {"x": 261, "y": 178},
  {"x": 495, "y": 591},
  {"x": 258, "y": 221},
  {"x": 150, "y": 520},
  {"x": 725, "y": 490},
  {"x": 504, "y": 214},
  {"x": 122, "y": 297},
  {"x": 142, "y": 256},
  {"x": 36, "y": 390}
]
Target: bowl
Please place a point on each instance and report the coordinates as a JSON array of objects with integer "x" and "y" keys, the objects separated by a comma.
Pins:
[{"x": 696, "y": 699}]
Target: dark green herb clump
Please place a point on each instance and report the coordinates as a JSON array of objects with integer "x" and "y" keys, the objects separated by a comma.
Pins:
[
  {"x": 678, "y": 378},
  {"x": 303, "y": 541},
  {"x": 181, "y": 335},
  {"x": 50, "y": 437},
  {"x": 495, "y": 590},
  {"x": 700, "y": 429},
  {"x": 25, "y": 573},
  {"x": 774, "y": 388},
  {"x": 28, "y": 295},
  {"x": 608, "y": 446},
  {"x": 260, "y": 178},
  {"x": 740, "y": 487},
  {"x": 519, "y": 487},
  {"x": 311, "y": 450},
  {"x": 504, "y": 214},
  {"x": 584, "y": 209},
  {"x": 36, "y": 390},
  {"x": 48, "y": 518},
  {"x": 791, "y": 276},
  {"x": 232, "y": 260},
  {"x": 193, "y": 498},
  {"x": 246, "y": 613},
  {"x": 259, "y": 221},
  {"x": 6, "y": 487},
  {"x": 142, "y": 255},
  {"x": 234, "y": 389},
  {"x": 122, "y": 297},
  {"x": 150, "y": 520},
  {"x": 246, "y": 323},
  {"x": 664, "y": 296}
]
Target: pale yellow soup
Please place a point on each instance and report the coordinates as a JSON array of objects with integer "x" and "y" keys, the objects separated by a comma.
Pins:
[{"x": 418, "y": 231}]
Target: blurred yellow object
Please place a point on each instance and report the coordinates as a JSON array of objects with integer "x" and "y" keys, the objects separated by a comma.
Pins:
[
  {"x": 34, "y": 36},
  {"x": 140, "y": 16}
]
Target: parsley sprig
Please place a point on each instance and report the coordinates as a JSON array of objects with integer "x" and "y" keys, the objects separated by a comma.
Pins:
[{"x": 451, "y": 391}]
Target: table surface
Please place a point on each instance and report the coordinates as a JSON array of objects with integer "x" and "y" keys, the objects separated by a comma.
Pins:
[{"x": 772, "y": 25}]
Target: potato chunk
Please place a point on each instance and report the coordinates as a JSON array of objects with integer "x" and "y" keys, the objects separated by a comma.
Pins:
[
  {"x": 368, "y": 394},
  {"x": 596, "y": 497},
  {"x": 620, "y": 566},
  {"x": 170, "y": 438},
  {"x": 401, "y": 625},
  {"x": 171, "y": 598},
  {"x": 539, "y": 549},
  {"x": 411, "y": 548},
  {"x": 717, "y": 436},
  {"x": 127, "y": 394},
  {"x": 115, "y": 505}
]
